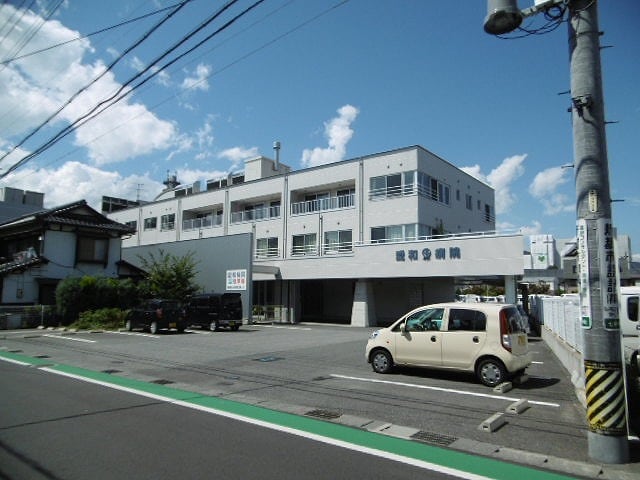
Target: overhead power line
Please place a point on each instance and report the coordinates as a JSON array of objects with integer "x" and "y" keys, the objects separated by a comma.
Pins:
[
  {"x": 118, "y": 96},
  {"x": 95, "y": 79},
  {"x": 97, "y": 32},
  {"x": 35, "y": 29}
]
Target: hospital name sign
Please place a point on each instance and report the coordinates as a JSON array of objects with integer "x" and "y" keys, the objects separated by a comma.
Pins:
[{"x": 454, "y": 253}]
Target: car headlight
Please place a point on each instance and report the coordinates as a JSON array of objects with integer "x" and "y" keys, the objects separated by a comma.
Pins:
[{"x": 374, "y": 335}]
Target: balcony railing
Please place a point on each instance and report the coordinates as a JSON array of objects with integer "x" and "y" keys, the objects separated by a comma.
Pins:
[
  {"x": 405, "y": 190},
  {"x": 323, "y": 204},
  {"x": 264, "y": 213},
  {"x": 335, "y": 248},
  {"x": 267, "y": 252},
  {"x": 209, "y": 221}
]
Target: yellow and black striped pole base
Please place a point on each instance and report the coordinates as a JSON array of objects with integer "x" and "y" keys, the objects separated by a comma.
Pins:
[{"x": 606, "y": 404}]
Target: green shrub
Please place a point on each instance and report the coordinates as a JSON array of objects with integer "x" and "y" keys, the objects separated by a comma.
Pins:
[
  {"x": 102, "y": 319},
  {"x": 81, "y": 294}
]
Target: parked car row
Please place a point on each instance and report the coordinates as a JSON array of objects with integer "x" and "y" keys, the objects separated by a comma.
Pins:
[
  {"x": 208, "y": 311},
  {"x": 487, "y": 339}
]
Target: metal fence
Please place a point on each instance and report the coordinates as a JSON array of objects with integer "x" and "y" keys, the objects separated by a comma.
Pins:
[
  {"x": 561, "y": 315},
  {"x": 27, "y": 316}
]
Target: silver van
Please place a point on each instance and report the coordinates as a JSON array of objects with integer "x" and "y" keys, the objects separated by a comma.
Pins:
[{"x": 484, "y": 338}]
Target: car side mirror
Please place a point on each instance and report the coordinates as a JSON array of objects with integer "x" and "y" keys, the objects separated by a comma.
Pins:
[{"x": 403, "y": 327}]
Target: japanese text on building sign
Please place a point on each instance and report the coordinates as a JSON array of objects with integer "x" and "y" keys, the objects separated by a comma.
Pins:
[
  {"x": 426, "y": 254},
  {"x": 236, "y": 279}
]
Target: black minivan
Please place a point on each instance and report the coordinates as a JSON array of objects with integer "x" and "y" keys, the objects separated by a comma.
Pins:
[{"x": 214, "y": 310}]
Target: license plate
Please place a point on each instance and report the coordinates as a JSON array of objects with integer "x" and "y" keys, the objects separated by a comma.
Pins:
[
  {"x": 521, "y": 340},
  {"x": 172, "y": 325},
  {"x": 231, "y": 324}
]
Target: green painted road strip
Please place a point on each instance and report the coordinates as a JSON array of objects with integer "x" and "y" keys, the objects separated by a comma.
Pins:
[{"x": 460, "y": 464}]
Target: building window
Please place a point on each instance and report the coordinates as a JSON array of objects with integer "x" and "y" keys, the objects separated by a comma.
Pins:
[
  {"x": 479, "y": 204},
  {"x": 133, "y": 224},
  {"x": 168, "y": 222},
  {"x": 443, "y": 193},
  {"x": 409, "y": 183},
  {"x": 385, "y": 186},
  {"x": 338, "y": 241},
  {"x": 150, "y": 223},
  {"x": 487, "y": 212},
  {"x": 317, "y": 201},
  {"x": 399, "y": 233},
  {"x": 91, "y": 249},
  {"x": 469, "y": 201},
  {"x": 345, "y": 197},
  {"x": 257, "y": 211},
  {"x": 267, "y": 247},
  {"x": 458, "y": 195},
  {"x": 304, "y": 245}
]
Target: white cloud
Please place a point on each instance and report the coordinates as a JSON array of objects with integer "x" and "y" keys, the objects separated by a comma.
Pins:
[
  {"x": 137, "y": 64},
  {"x": 202, "y": 140},
  {"x": 338, "y": 132},
  {"x": 238, "y": 154},
  {"x": 199, "y": 79},
  {"x": 544, "y": 188},
  {"x": 77, "y": 181},
  {"x": 534, "y": 229},
  {"x": 501, "y": 179},
  {"x": 36, "y": 86}
]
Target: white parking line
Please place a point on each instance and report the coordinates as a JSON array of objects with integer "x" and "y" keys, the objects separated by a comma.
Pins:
[
  {"x": 537, "y": 363},
  {"x": 447, "y": 390},
  {"x": 69, "y": 338},
  {"x": 199, "y": 332},
  {"x": 286, "y": 328},
  {"x": 137, "y": 334}
]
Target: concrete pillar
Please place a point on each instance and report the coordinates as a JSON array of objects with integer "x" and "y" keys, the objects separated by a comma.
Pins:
[
  {"x": 510, "y": 289},
  {"x": 363, "y": 309}
]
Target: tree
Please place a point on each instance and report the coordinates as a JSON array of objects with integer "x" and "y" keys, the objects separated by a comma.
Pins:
[{"x": 168, "y": 276}]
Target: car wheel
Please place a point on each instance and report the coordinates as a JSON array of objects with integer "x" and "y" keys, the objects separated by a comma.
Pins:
[
  {"x": 235, "y": 328},
  {"x": 128, "y": 326},
  {"x": 381, "y": 361},
  {"x": 153, "y": 328},
  {"x": 491, "y": 372}
]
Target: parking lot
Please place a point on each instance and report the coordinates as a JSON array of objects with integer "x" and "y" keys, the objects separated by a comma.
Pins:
[{"x": 320, "y": 371}]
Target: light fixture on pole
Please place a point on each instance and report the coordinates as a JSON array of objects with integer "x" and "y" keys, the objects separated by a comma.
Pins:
[{"x": 503, "y": 16}]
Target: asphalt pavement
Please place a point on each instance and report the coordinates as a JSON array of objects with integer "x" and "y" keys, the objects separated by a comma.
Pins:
[{"x": 557, "y": 443}]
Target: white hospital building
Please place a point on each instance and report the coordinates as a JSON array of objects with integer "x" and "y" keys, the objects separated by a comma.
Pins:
[{"x": 358, "y": 241}]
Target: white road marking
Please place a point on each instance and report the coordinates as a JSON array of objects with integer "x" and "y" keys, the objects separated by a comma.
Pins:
[
  {"x": 537, "y": 363},
  {"x": 199, "y": 332},
  {"x": 286, "y": 328},
  {"x": 447, "y": 390},
  {"x": 290, "y": 430},
  {"x": 66, "y": 337},
  {"x": 136, "y": 334}
]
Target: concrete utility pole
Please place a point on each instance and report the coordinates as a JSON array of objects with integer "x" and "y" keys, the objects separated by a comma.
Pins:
[
  {"x": 598, "y": 277},
  {"x": 606, "y": 404}
]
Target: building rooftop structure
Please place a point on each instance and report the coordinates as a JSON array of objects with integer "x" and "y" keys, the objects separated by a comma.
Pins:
[{"x": 15, "y": 202}]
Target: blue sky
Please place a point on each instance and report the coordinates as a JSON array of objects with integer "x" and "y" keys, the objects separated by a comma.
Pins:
[{"x": 330, "y": 80}]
